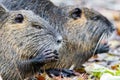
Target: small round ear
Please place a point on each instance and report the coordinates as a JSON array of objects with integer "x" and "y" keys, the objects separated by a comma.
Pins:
[
  {"x": 3, "y": 10},
  {"x": 76, "y": 13}
]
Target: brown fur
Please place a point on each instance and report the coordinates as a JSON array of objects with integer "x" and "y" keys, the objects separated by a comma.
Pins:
[{"x": 81, "y": 36}]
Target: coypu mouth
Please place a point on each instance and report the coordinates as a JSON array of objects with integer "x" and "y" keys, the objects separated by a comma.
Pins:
[{"x": 104, "y": 37}]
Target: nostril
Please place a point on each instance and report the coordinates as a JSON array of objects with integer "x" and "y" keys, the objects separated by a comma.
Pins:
[
  {"x": 59, "y": 41},
  {"x": 113, "y": 29},
  {"x": 55, "y": 51},
  {"x": 30, "y": 57}
]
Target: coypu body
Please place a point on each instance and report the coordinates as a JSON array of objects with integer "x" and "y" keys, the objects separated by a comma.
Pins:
[
  {"x": 27, "y": 42},
  {"x": 82, "y": 29}
]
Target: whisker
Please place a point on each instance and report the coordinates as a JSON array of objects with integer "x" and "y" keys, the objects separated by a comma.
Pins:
[
  {"x": 39, "y": 48},
  {"x": 101, "y": 38}
]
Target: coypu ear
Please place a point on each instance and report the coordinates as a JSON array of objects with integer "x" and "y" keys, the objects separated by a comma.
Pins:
[
  {"x": 19, "y": 18},
  {"x": 3, "y": 11},
  {"x": 76, "y": 13}
]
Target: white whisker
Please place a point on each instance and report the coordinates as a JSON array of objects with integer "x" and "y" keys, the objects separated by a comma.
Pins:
[{"x": 101, "y": 38}]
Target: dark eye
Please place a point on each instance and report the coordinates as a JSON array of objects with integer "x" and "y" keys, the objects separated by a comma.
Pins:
[
  {"x": 95, "y": 18},
  {"x": 19, "y": 18},
  {"x": 37, "y": 27},
  {"x": 76, "y": 13}
]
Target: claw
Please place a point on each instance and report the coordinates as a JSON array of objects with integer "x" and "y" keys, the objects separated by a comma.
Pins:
[
  {"x": 104, "y": 48},
  {"x": 45, "y": 56},
  {"x": 60, "y": 72},
  {"x": 68, "y": 73}
]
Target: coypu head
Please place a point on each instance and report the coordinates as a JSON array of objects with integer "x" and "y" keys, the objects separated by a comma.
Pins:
[
  {"x": 24, "y": 36},
  {"x": 27, "y": 34},
  {"x": 85, "y": 28}
]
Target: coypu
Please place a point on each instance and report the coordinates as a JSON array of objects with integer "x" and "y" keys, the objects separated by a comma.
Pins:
[
  {"x": 82, "y": 29},
  {"x": 27, "y": 42}
]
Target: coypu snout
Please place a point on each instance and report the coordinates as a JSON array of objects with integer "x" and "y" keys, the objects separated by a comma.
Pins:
[
  {"x": 110, "y": 25},
  {"x": 97, "y": 18}
]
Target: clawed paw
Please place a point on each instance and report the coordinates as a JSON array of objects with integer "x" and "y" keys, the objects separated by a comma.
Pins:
[
  {"x": 61, "y": 72},
  {"x": 46, "y": 56},
  {"x": 103, "y": 48}
]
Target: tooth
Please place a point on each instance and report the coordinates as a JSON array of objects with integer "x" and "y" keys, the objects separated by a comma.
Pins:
[{"x": 102, "y": 36}]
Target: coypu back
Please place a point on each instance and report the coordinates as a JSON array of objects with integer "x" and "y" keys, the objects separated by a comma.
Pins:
[
  {"x": 27, "y": 42},
  {"x": 82, "y": 28}
]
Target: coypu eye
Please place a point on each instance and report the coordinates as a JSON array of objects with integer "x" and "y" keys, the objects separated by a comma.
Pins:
[
  {"x": 37, "y": 26},
  {"x": 95, "y": 18},
  {"x": 76, "y": 13},
  {"x": 19, "y": 18}
]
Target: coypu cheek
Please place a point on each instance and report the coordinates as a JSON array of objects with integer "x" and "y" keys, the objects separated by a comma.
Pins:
[
  {"x": 11, "y": 25},
  {"x": 74, "y": 25}
]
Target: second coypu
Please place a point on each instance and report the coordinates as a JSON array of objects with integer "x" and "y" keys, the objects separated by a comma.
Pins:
[
  {"x": 27, "y": 42},
  {"x": 82, "y": 28}
]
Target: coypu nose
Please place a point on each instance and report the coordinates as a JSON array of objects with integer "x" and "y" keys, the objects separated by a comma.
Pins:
[
  {"x": 59, "y": 40},
  {"x": 111, "y": 26},
  {"x": 113, "y": 29}
]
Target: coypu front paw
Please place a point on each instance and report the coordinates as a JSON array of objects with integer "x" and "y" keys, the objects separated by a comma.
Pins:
[
  {"x": 61, "y": 72},
  {"x": 103, "y": 48},
  {"x": 46, "y": 56}
]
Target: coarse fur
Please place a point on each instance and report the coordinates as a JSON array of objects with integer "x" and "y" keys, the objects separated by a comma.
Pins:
[
  {"x": 27, "y": 42},
  {"x": 82, "y": 31}
]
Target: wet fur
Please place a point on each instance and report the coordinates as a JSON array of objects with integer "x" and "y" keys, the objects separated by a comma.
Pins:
[
  {"x": 81, "y": 36},
  {"x": 21, "y": 42}
]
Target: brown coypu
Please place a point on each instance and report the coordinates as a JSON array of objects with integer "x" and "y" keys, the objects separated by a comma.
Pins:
[
  {"x": 82, "y": 28},
  {"x": 27, "y": 42}
]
